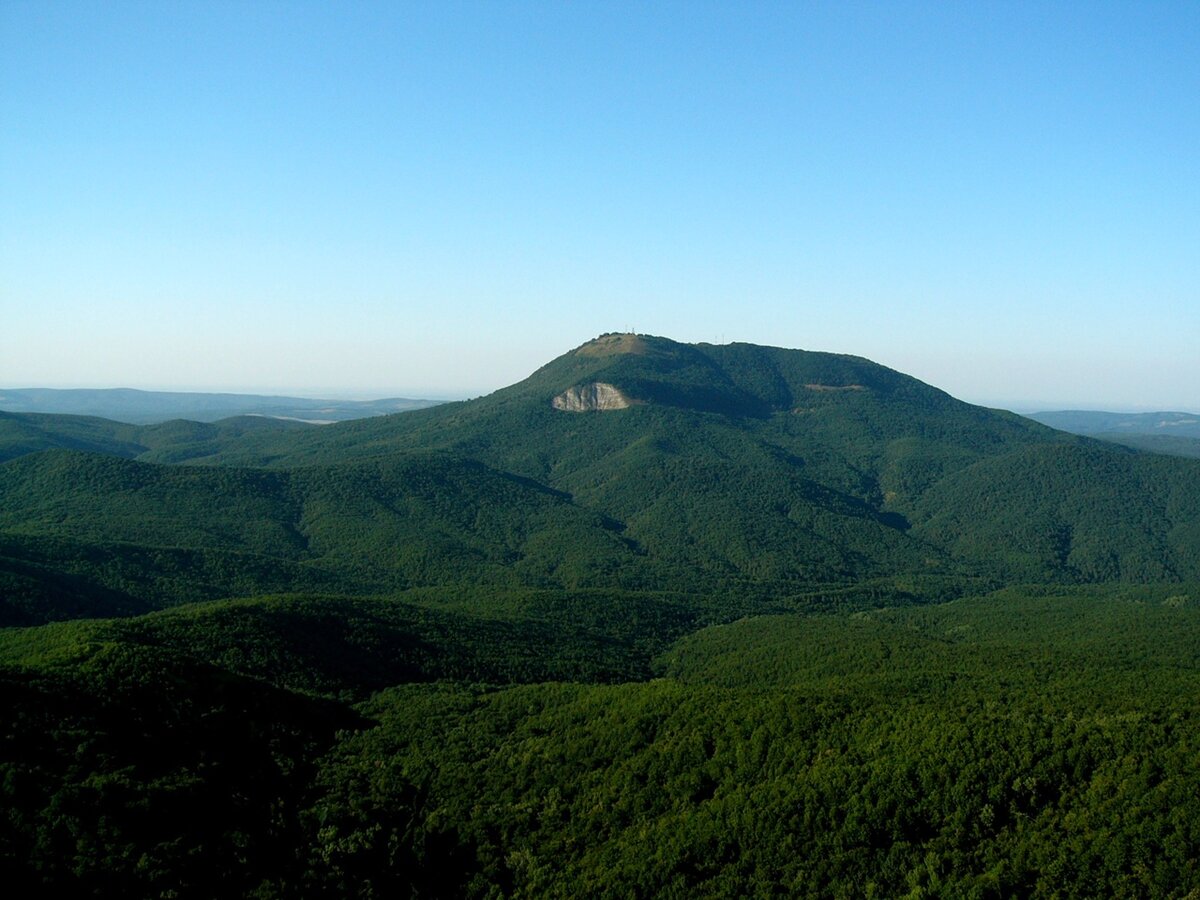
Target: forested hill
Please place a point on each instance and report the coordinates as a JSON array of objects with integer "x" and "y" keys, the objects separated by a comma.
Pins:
[
  {"x": 659, "y": 620},
  {"x": 135, "y": 536},
  {"x": 632, "y": 462},
  {"x": 742, "y": 453},
  {"x": 177, "y": 440},
  {"x": 845, "y": 404}
]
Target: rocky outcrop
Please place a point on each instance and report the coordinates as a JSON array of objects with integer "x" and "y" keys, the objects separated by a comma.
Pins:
[{"x": 587, "y": 397}]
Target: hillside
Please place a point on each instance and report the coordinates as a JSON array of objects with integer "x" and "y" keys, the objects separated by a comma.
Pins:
[
  {"x": 178, "y": 440},
  {"x": 141, "y": 536},
  {"x": 1166, "y": 444},
  {"x": 1027, "y": 743},
  {"x": 631, "y": 462},
  {"x": 843, "y": 404},
  {"x": 659, "y": 620},
  {"x": 787, "y": 467}
]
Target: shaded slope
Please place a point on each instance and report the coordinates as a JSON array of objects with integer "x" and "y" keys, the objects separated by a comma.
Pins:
[
  {"x": 178, "y": 440},
  {"x": 134, "y": 772},
  {"x": 349, "y": 647},
  {"x": 1090, "y": 512},
  {"x": 162, "y": 534},
  {"x": 1165, "y": 444},
  {"x": 30, "y": 433}
]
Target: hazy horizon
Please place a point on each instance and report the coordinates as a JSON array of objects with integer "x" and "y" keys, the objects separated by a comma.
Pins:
[
  {"x": 1002, "y": 200},
  {"x": 1022, "y": 407}
]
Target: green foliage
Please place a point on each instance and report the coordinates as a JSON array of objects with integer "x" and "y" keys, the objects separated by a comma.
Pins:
[
  {"x": 348, "y": 647},
  {"x": 750, "y": 466},
  {"x": 177, "y": 440},
  {"x": 1029, "y": 742},
  {"x": 754, "y": 636},
  {"x": 146, "y": 536},
  {"x": 137, "y": 773},
  {"x": 1166, "y": 444},
  {"x": 938, "y": 751},
  {"x": 1038, "y": 641},
  {"x": 21, "y": 434},
  {"x": 740, "y": 470},
  {"x": 1085, "y": 512}
]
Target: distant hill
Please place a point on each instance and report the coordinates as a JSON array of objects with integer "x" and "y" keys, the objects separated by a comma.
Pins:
[
  {"x": 1167, "y": 444},
  {"x": 146, "y": 407},
  {"x": 1168, "y": 433},
  {"x": 179, "y": 440},
  {"x": 1173, "y": 424}
]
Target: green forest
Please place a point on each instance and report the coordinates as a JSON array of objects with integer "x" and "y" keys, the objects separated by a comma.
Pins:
[{"x": 784, "y": 624}]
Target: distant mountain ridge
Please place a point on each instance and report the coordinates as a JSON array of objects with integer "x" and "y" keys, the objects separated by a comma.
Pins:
[
  {"x": 1094, "y": 422},
  {"x": 1169, "y": 433},
  {"x": 148, "y": 407}
]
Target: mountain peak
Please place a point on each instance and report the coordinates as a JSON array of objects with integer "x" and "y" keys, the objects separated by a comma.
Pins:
[
  {"x": 737, "y": 379},
  {"x": 614, "y": 344}
]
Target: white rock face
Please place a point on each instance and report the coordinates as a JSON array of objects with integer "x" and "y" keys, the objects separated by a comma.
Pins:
[{"x": 588, "y": 397}]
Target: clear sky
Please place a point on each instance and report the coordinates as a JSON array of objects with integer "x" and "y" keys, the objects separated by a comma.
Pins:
[{"x": 433, "y": 199}]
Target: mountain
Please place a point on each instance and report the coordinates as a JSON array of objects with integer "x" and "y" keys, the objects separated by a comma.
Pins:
[
  {"x": 786, "y": 466},
  {"x": 850, "y": 405},
  {"x": 630, "y": 463},
  {"x": 147, "y": 407},
  {"x": 659, "y": 620}
]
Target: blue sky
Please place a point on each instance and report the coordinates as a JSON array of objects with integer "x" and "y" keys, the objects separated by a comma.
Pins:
[{"x": 371, "y": 199}]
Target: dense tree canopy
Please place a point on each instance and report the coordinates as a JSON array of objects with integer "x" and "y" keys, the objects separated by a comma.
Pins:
[{"x": 788, "y": 624}]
